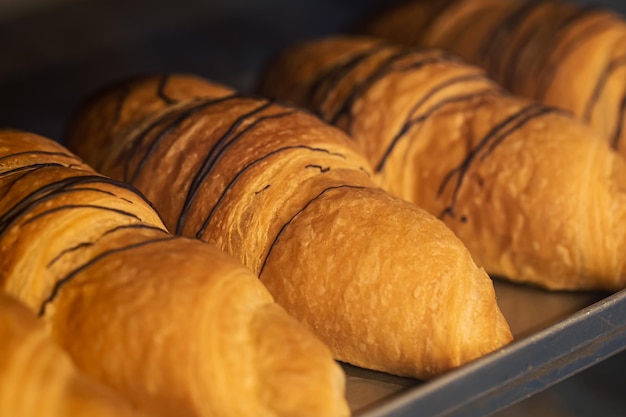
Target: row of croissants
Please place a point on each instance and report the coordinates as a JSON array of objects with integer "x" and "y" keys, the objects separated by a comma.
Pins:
[{"x": 198, "y": 252}]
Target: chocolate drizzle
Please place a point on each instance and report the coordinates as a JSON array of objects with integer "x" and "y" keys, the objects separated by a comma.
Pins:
[
  {"x": 413, "y": 121},
  {"x": 359, "y": 88},
  {"x": 298, "y": 213},
  {"x": 613, "y": 66},
  {"x": 490, "y": 55},
  {"x": 68, "y": 250},
  {"x": 329, "y": 80},
  {"x": 491, "y": 50},
  {"x": 460, "y": 31},
  {"x": 124, "y": 92},
  {"x": 47, "y": 153},
  {"x": 386, "y": 67},
  {"x": 439, "y": 10},
  {"x": 101, "y": 191},
  {"x": 163, "y": 80},
  {"x": 321, "y": 168},
  {"x": 91, "y": 243},
  {"x": 62, "y": 281},
  {"x": 228, "y": 139},
  {"x": 262, "y": 189},
  {"x": 178, "y": 118},
  {"x": 52, "y": 190},
  {"x": 566, "y": 48},
  {"x": 31, "y": 167},
  {"x": 237, "y": 176},
  {"x": 511, "y": 67},
  {"x": 333, "y": 76},
  {"x": 8, "y": 189},
  {"x": 487, "y": 144},
  {"x": 619, "y": 125},
  {"x": 557, "y": 25},
  {"x": 443, "y": 85},
  {"x": 79, "y": 206}
]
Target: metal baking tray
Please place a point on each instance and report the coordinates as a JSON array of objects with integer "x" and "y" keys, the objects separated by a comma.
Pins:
[{"x": 558, "y": 334}]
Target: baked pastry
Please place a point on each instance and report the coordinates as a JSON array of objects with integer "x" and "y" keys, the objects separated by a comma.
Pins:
[
  {"x": 386, "y": 285},
  {"x": 563, "y": 54},
  {"x": 535, "y": 195},
  {"x": 38, "y": 379},
  {"x": 173, "y": 324}
]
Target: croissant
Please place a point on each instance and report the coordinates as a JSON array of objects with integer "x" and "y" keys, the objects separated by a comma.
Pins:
[
  {"x": 535, "y": 195},
  {"x": 565, "y": 55},
  {"x": 38, "y": 379},
  {"x": 175, "y": 325},
  {"x": 384, "y": 284}
]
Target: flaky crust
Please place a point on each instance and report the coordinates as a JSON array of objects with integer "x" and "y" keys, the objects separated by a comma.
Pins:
[
  {"x": 38, "y": 379},
  {"x": 174, "y": 324},
  {"x": 386, "y": 285},
  {"x": 565, "y": 55},
  {"x": 535, "y": 195}
]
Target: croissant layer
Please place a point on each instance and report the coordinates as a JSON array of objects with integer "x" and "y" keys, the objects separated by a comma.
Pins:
[
  {"x": 534, "y": 194},
  {"x": 384, "y": 284},
  {"x": 174, "y": 324},
  {"x": 566, "y": 55},
  {"x": 38, "y": 379}
]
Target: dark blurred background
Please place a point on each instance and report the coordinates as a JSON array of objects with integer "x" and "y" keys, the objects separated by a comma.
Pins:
[{"x": 54, "y": 52}]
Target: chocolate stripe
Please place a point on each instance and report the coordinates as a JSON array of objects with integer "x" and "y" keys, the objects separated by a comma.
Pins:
[
  {"x": 236, "y": 178},
  {"x": 216, "y": 153},
  {"x": 178, "y": 119},
  {"x": 550, "y": 69},
  {"x": 61, "y": 282},
  {"x": 493, "y": 138},
  {"x": 491, "y": 50},
  {"x": 48, "y": 153},
  {"x": 52, "y": 190},
  {"x": 385, "y": 67},
  {"x": 163, "y": 80},
  {"x": 79, "y": 206},
  {"x": 424, "y": 116},
  {"x": 332, "y": 77},
  {"x": 124, "y": 92},
  {"x": 612, "y": 66},
  {"x": 91, "y": 243},
  {"x": 298, "y": 213},
  {"x": 30, "y": 167},
  {"x": 620, "y": 122}
]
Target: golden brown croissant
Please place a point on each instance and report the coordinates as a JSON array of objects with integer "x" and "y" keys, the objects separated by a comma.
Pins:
[
  {"x": 177, "y": 326},
  {"x": 38, "y": 379},
  {"x": 536, "y": 196},
  {"x": 386, "y": 285},
  {"x": 565, "y": 55}
]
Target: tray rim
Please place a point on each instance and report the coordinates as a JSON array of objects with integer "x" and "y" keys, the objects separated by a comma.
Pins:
[{"x": 519, "y": 370}]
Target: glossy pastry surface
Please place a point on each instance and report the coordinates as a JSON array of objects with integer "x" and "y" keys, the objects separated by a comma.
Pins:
[
  {"x": 38, "y": 379},
  {"x": 175, "y": 325},
  {"x": 386, "y": 285},
  {"x": 535, "y": 195},
  {"x": 566, "y": 55}
]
